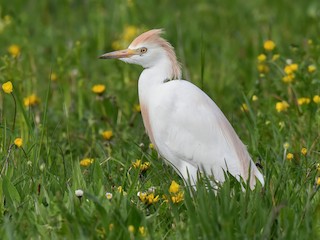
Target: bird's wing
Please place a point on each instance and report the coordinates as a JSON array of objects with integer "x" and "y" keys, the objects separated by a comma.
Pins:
[{"x": 190, "y": 130}]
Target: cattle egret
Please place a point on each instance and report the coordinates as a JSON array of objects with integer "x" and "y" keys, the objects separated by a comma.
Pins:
[{"x": 186, "y": 127}]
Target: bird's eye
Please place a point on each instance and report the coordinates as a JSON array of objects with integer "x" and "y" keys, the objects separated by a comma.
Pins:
[{"x": 143, "y": 50}]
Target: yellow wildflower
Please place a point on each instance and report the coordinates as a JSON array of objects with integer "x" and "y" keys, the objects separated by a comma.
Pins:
[
  {"x": 318, "y": 181},
  {"x": 318, "y": 166},
  {"x": 145, "y": 166},
  {"x": 282, "y": 106},
  {"x": 151, "y": 198},
  {"x": 312, "y": 68},
  {"x": 18, "y": 142},
  {"x": 7, "y": 87},
  {"x": 310, "y": 42},
  {"x": 174, "y": 187},
  {"x": 137, "y": 108},
  {"x": 316, "y": 99},
  {"x": 137, "y": 163},
  {"x": 262, "y": 58},
  {"x": 244, "y": 107},
  {"x": 53, "y": 76},
  {"x": 286, "y": 145},
  {"x": 269, "y": 45},
  {"x": 120, "y": 189},
  {"x": 290, "y": 156},
  {"x": 275, "y": 57},
  {"x": 262, "y": 68},
  {"x": 86, "y": 162},
  {"x": 290, "y": 68},
  {"x": 254, "y": 98},
  {"x": 142, "y": 231},
  {"x": 303, "y": 100},
  {"x": 31, "y": 100},
  {"x": 304, "y": 151},
  {"x": 111, "y": 226},
  {"x": 288, "y": 78},
  {"x": 142, "y": 196},
  {"x": 129, "y": 33},
  {"x": 131, "y": 228},
  {"x": 14, "y": 50},
  {"x": 151, "y": 146},
  {"x": 98, "y": 89},
  {"x": 107, "y": 135},
  {"x": 177, "y": 197}
]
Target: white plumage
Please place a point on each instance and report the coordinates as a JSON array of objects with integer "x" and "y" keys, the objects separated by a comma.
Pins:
[{"x": 185, "y": 125}]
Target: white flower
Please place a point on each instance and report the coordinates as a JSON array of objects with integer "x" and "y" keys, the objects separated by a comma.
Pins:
[
  {"x": 109, "y": 195},
  {"x": 79, "y": 193}
]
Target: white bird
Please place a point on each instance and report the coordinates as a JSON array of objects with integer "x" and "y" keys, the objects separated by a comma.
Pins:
[{"x": 186, "y": 127}]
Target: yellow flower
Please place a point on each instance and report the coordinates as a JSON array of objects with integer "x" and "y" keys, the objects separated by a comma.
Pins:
[
  {"x": 269, "y": 45},
  {"x": 286, "y": 145},
  {"x": 107, "y": 135},
  {"x": 262, "y": 58},
  {"x": 98, "y": 89},
  {"x": 18, "y": 142},
  {"x": 304, "y": 151},
  {"x": 318, "y": 181},
  {"x": 131, "y": 228},
  {"x": 137, "y": 108},
  {"x": 142, "y": 196},
  {"x": 86, "y": 162},
  {"x": 303, "y": 100},
  {"x": 129, "y": 33},
  {"x": 312, "y": 68},
  {"x": 282, "y": 106},
  {"x": 53, "y": 76},
  {"x": 142, "y": 231},
  {"x": 177, "y": 197},
  {"x": 291, "y": 68},
  {"x": 174, "y": 187},
  {"x": 316, "y": 99},
  {"x": 14, "y": 50},
  {"x": 244, "y": 107},
  {"x": 254, "y": 98},
  {"x": 262, "y": 68},
  {"x": 31, "y": 100},
  {"x": 275, "y": 57},
  {"x": 137, "y": 163},
  {"x": 289, "y": 156},
  {"x": 145, "y": 166},
  {"x": 318, "y": 166},
  {"x": 120, "y": 189},
  {"x": 151, "y": 146},
  {"x": 288, "y": 78},
  {"x": 151, "y": 198},
  {"x": 111, "y": 226},
  {"x": 7, "y": 87}
]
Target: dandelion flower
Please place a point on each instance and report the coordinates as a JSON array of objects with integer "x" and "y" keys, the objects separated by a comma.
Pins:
[
  {"x": 244, "y": 107},
  {"x": 98, "y": 89},
  {"x": 303, "y": 100},
  {"x": 262, "y": 58},
  {"x": 262, "y": 68},
  {"x": 31, "y": 100},
  {"x": 312, "y": 68},
  {"x": 316, "y": 99},
  {"x": 304, "y": 151},
  {"x": 282, "y": 106},
  {"x": 269, "y": 45},
  {"x": 142, "y": 231},
  {"x": 107, "y": 135},
  {"x": 7, "y": 87},
  {"x": 174, "y": 187},
  {"x": 131, "y": 228},
  {"x": 18, "y": 142},
  {"x": 288, "y": 78},
  {"x": 86, "y": 162},
  {"x": 79, "y": 193},
  {"x": 318, "y": 181},
  {"x": 254, "y": 98},
  {"x": 289, "y": 156},
  {"x": 137, "y": 108},
  {"x": 14, "y": 50}
]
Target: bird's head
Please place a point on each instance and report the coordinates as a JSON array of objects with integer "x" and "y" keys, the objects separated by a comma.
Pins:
[{"x": 148, "y": 50}]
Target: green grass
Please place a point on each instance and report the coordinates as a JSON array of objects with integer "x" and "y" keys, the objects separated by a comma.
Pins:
[{"x": 218, "y": 43}]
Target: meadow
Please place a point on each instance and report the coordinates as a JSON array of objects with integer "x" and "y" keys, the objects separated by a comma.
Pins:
[{"x": 76, "y": 162}]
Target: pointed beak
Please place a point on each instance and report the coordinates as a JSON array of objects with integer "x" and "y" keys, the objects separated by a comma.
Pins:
[{"x": 126, "y": 53}]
